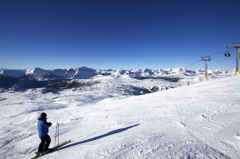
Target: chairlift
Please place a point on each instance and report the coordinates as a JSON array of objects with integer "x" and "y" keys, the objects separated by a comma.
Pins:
[{"x": 227, "y": 54}]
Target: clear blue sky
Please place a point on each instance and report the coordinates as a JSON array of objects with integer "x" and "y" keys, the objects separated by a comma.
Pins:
[{"x": 127, "y": 34}]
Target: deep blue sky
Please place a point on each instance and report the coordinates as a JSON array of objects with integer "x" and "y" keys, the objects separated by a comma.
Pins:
[{"x": 127, "y": 34}]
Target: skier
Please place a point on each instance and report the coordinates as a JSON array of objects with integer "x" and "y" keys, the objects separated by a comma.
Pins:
[{"x": 43, "y": 126}]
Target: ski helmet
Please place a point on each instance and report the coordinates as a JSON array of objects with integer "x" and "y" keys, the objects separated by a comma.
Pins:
[{"x": 44, "y": 115}]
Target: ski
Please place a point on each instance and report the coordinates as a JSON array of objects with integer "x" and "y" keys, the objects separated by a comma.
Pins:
[{"x": 52, "y": 149}]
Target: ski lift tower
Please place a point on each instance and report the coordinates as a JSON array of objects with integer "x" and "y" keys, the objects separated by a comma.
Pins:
[
  {"x": 237, "y": 46},
  {"x": 206, "y": 58}
]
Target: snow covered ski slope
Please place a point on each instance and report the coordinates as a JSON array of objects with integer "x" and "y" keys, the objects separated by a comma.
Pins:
[{"x": 200, "y": 121}]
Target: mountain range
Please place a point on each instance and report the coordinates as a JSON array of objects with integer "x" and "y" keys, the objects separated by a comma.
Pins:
[{"x": 60, "y": 78}]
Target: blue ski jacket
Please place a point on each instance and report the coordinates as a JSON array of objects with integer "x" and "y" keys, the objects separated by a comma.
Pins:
[{"x": 43, "y": 126}]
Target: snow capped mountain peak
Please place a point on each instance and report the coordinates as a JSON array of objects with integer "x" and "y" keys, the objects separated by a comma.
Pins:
[
  {"x": 59, "y": 72},
  {"x": 84, "y": 73},
  {"x": 147, "y": 72},
  {"x": 181, "y": 69},
  {"x": 36, "y": 69},
  {"x": 119, "y": 72},
  {"x": 84, "y": 69},
  {"x": 13, "y": 73}
]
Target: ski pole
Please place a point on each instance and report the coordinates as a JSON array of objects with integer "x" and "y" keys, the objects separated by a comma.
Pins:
[{"x": 58, "y": 135}]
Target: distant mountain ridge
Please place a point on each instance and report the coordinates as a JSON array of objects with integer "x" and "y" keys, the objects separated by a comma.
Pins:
[
  {"x": 70, "y": 78},
  {"x": 39, "y": 73},
  {"x": 85, "y": 72}
]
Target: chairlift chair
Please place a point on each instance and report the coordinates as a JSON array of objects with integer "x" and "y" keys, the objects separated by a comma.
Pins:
[{"x": 227, "y": 54}]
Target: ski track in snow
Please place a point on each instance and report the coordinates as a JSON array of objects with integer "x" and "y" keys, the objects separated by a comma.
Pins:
[{"x": 197, "y": 121}]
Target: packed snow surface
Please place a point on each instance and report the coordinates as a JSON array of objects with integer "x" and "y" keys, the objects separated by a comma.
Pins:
[{"x": 200, "y": 121}]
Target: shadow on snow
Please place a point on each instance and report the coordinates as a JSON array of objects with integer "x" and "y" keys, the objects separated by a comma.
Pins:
[{"x": 98, "y": 137}]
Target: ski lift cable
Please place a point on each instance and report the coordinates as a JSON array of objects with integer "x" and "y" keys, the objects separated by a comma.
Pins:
[
  {"x": 203, "y": 63},
  {"x": 198, "y": 65},
  {"x": 221, "y": 51},
  {"x": 227, "y": 51},
  {"x": 216, "y": 56},
  {"x": 218, "y": 52},
  {"x": 192, "y": 67},
  {"x": 192, "y": 64}
]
